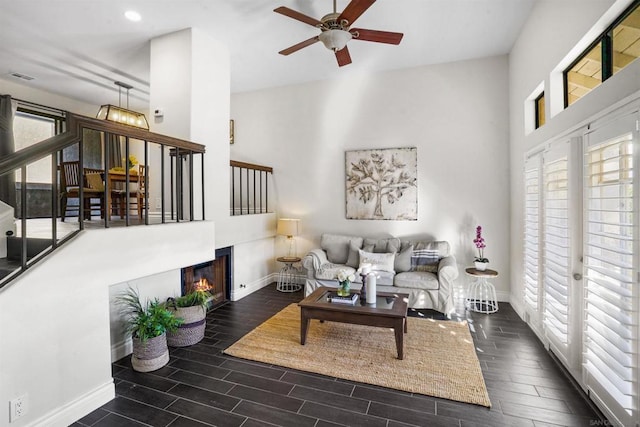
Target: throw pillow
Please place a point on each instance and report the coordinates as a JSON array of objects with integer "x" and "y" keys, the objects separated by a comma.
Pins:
[
  {"x": 379, "y": 262},
  {"x": 337, "y": 247},
  {"x": 425, "y": 260},
  {"x": 386, "y": 245},
  {"x": 354, "y": 256},
  {"x": 403, "y": 260}
]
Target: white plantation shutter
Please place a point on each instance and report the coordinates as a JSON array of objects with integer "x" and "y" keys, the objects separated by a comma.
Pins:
[
  {"x": 556, "y": 246},
  {"x": 532, "y": 294},
  {"x": 610, "y": 257}
]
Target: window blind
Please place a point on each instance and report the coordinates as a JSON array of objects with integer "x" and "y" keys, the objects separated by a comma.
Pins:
[
  {"x": 532, "y": 233},
  {"x": 611, "y": 322},
  {"x": 556, "y": 254}
]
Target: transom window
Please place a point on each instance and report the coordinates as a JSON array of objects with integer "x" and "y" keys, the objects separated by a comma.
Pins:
[
  {"x": 613, "y": 50},
  {"x": 540, "y": 115}
]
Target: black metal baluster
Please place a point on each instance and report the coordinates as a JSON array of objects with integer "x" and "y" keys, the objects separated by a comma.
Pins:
[
  {"x": 162, "y": 184},
  {"x": 146, "y": 183},
  {"x": 202, "y": 161},
  {"x": 190, "y": 185},
  {"x": 23, "y": 216},
  {"x": 54, "y": 199},
  {"x": 108, "y": 201}
]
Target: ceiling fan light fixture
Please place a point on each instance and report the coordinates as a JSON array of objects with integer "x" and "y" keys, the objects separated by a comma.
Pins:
[{"x": 335, "y": 39}]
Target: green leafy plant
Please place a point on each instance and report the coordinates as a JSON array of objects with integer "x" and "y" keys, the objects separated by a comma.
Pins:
[
  {"x": 149, "y": 320},
  {"x": 193, "y": 298}
]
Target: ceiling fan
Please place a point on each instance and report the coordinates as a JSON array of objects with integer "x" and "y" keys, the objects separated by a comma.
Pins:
[{"x": 336, "y": 30}]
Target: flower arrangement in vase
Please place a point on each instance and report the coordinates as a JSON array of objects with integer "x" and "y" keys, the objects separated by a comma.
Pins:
[
  {"x": 480, "y": 261},
  {"x": 130, "y": 162},
  {"x": 345, "y": 278}
]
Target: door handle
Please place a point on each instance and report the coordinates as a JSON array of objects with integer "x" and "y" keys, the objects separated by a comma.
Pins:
[{"x": 577, "y": 276}]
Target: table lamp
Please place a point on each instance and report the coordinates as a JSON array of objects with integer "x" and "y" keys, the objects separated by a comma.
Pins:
[{"x": 289, "y": 227}]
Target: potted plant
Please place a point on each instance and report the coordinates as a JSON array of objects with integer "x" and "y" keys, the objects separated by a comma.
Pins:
[
  {"x": 148, "y": 324},
  {"x": 192, "y": 309},
  {"x": 480, "y": 261}
]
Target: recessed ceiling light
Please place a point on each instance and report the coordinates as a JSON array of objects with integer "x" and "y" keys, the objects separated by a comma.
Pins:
[{"x": 132, "y": 15}]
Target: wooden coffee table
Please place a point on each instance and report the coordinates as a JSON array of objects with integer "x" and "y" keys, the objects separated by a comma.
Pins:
[{"x": 390, "y": 311}]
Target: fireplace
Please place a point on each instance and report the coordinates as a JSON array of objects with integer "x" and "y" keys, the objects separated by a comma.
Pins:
[{"x": 214, "y": 276}]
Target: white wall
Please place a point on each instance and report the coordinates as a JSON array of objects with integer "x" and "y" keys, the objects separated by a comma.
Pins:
[
  {"x": 533, "y": 59},
  {"x": 54, "y": 319},
  {"x": 27, "y": 93},
  {"x": 455, "y": 114}
]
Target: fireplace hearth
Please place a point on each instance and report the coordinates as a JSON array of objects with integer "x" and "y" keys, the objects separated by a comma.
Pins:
[{"x": 214, "y": 276}]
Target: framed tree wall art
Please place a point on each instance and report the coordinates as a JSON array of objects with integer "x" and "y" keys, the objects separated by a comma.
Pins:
[{"x": 382, "y": 184}]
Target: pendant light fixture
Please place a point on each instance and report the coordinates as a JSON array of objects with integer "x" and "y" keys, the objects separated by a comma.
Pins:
[{"x": 123, "y": 115}]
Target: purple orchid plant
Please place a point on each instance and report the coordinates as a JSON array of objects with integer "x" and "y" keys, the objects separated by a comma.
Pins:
[{"x": 480, "y": 245}]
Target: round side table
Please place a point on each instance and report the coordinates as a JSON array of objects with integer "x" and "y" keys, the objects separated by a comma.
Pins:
[
  {"x": 288, "y": 275},
  {"x": 482, "y": 294}
]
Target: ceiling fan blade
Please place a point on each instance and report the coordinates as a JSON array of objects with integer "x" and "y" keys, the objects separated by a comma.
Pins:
[
  {"x": 297, "y": 47},
  {"x": 354, "y": 10},
  {"x": 376, "y": 36},
  {"x": 297, "y": 15},
  {"x": 343, "y": 56}
]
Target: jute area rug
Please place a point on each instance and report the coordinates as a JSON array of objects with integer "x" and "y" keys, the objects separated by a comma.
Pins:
[{"x": 439, "y": 356}]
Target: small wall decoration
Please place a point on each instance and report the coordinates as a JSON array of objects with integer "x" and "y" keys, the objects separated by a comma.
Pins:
[
  {"x": 382, "y": 184},
  {"x": 232, "y": 132}
]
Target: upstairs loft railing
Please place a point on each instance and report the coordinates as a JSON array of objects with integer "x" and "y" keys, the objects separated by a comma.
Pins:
[
  {"x": 250, "y": 188},
  {"x": 167, "y": 186}
]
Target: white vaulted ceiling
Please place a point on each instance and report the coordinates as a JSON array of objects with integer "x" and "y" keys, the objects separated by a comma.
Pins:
[{"x": 78, "y": 48}]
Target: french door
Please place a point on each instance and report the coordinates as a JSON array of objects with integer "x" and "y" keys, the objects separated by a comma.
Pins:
[
  {"x": 558, "y": 307},
  {"x": 581, "y": 290},
  {"x": 611, "y": 333},
  {"x": 533, "y": 292}
]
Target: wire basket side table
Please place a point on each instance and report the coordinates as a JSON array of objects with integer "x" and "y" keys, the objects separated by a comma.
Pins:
[
  {"x": 482, "y": 294},
  {"x": 288, "y": 276}
]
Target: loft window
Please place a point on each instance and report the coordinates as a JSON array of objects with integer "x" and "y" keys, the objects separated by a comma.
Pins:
[
  {"x": 626, "y": 40},
  {"x": 30, "y": 129},
  {"x": 539, "y": 104},
  {"x": 613, "y": 50}
]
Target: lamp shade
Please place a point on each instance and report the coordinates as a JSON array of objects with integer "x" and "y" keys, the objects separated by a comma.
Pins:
[
  {"x": 335, "y": 39},
  {"x": 288, "y": 227}
]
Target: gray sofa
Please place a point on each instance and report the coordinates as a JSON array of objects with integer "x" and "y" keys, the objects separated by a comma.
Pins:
[{"x": 424, "y": 270}]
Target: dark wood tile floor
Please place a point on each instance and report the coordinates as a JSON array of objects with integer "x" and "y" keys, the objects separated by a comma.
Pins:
[{"x": 203, "y": 387}]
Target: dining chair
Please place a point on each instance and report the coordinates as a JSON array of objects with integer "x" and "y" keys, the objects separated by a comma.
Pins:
[
  {"x": 137, "y": 195},
  {"x": 70, "y": 181},
  {"x": 141, "y": 195}
]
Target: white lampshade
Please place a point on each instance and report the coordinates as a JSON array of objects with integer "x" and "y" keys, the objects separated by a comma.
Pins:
[
  {"x": 335, "y": 39},
  {"x": 288, "y": 227}
]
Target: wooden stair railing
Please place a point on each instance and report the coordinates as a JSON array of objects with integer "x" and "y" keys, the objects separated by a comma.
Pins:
[
  {"x": 249, "y": 188},
  {"x": 74, "y": 131}
]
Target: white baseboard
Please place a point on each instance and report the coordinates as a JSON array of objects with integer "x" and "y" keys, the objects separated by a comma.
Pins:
[
  {"x": 503, "y": 296},
  {"x": 249, "y": 288},
  {"x": 78, "y": 408},
  {"x": 239, "y": 293},
  {"x": 121, "y": 349},
  {"x": 518, "y": 307}
]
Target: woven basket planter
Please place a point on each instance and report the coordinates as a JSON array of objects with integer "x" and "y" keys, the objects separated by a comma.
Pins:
[
  {"x": 192, "y": 330},
  {"x": 150, "y": 355}
]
